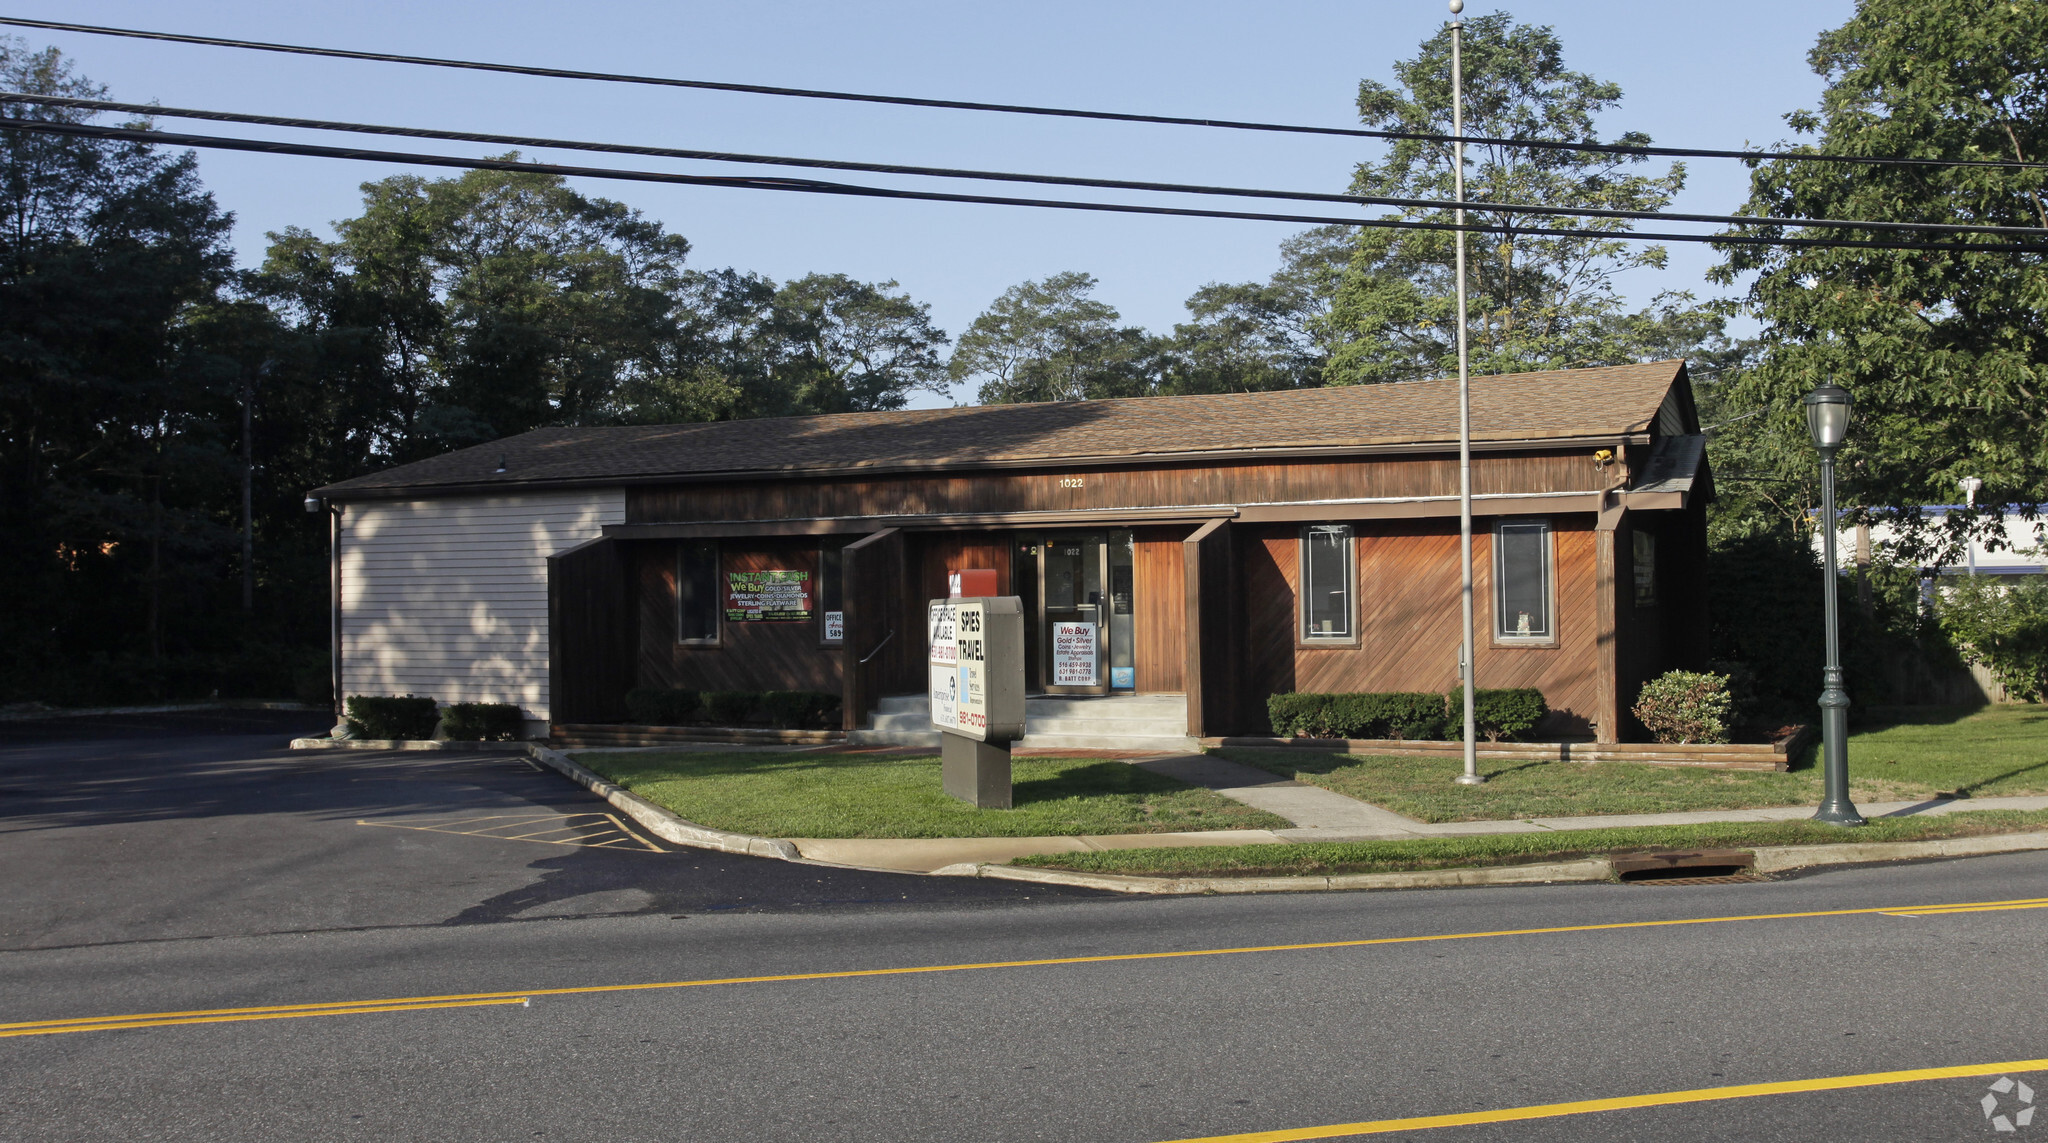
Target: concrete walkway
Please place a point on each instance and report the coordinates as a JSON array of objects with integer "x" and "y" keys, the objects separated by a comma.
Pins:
[{"x": 1317, "y": 814}]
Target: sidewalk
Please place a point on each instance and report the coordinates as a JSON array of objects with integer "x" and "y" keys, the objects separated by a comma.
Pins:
[{"x": 1317, "y": 814}]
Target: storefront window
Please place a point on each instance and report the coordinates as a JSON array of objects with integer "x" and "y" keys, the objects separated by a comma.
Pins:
[
  {"x": 1522, "y": 602},
  {"x": 1326, "y": 611},
  {"x": 697, "y": 592}
]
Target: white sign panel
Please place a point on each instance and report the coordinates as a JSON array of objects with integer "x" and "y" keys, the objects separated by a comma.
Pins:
[
  {"x": 1073, "y": 654},
  {"x": 835, "y": 626},
  {"x": 945, "y": 697},
  {"x": 945, "y": 648}
]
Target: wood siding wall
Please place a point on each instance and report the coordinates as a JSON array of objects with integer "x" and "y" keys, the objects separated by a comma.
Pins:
[
  {"x": 449, "y": 597},
  {"x": 591, "y": 643},
  {"x": 749, "y": 656},
  {"x": 1159, "y": 609},
  {"x": 1408, "y": 613},
  {"x": 1149, "y": 487}
]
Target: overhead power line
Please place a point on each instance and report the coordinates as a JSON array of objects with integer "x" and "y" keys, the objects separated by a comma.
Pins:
[
  {"x": 814, "y": 186},
  {"x": 1002, "y": 108},
  {"x": 26, "y": 98}
]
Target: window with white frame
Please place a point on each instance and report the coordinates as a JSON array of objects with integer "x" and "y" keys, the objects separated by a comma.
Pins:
[
  {"x": 1523, "y": 600},
  {"x": 1327, "y": 611}
]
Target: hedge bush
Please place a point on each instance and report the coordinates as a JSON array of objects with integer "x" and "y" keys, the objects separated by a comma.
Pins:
[
  {"x": 483, "y": 722},
  {"x": 403, "y": 716},
  {"x": 656, "y": 706},
  {"x": 793, "y": 709},
  {"x": 787, "y": 710},
  {"x": 1409, "y": 715},
  {"x": 1686, "y": 706},
  {"x": 729, "y": 708}
]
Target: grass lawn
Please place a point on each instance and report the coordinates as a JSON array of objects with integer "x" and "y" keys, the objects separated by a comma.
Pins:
[
  {"x": 841, "y": 795},
  {"x": 1977, "y": 752},
  {"x": 1516, "y": 848}
]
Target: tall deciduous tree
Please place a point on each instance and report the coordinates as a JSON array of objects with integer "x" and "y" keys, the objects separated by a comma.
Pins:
[
  {"x": 1052, "y": 341},
  {"x": 1946, "y": 353},
  {"x": 110, "y": 442},
  {"x": 1539, "y": 299},
  {"x": 457, "y": 310}
]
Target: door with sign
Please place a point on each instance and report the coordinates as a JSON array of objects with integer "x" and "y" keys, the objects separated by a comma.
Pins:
[{"x": 1074, "y": 606}]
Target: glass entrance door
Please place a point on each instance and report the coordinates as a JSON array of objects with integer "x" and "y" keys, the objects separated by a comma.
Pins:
[{"x": 1072, "y": 610}]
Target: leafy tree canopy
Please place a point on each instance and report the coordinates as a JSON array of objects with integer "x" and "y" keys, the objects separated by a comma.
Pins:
[
  {"x": 1051, "y": 341},
  {"x": 1538, "y": 299},
  {"x": 1944, "y": 352}
]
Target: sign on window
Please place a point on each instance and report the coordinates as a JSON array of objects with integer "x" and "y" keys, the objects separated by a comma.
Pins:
[
  {"x": 1073, "y": 654},
  {"x": 767, "y": 596}
]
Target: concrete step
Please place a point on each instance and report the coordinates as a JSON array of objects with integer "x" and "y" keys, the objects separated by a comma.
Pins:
[
  {"x": 1058, "y": 722},
  {"x": 1168, "y": 727},
  {"x": 1163, "y": 744}
]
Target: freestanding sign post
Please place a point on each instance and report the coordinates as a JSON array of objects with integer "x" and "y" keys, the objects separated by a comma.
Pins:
[{"x": 977, "y": 688}]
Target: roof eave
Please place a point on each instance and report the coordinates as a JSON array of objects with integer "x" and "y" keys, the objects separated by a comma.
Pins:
[{"x": 342, "y": 493}]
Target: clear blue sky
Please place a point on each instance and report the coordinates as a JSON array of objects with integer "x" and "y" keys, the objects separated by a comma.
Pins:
[{"x": 1712, "y": 75}]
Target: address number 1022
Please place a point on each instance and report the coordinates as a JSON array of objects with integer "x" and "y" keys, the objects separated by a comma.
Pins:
[{"x": 1070, "y": 482}]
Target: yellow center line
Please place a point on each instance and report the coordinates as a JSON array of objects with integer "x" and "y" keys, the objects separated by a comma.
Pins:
[
  {"x": 90, "y": 1023},
  {"x": 1944, "y": 910},
  {"x": 1623, "y": 1103},
  {"x": 230, "y": 1016}
]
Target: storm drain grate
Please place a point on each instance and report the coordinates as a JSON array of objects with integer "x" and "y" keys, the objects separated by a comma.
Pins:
[{"x": 1686, "y": 867}]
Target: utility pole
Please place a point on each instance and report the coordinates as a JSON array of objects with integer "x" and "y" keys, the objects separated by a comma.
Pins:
[
  {"x": 248, "y": 510},
  {"x": 1471, "y": 776}
]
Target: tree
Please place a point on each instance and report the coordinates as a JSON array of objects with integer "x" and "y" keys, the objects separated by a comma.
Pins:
[
  {"x": 458, "y": 310},
  {"x": 1253, "y": 336},
  {"x": 113, "y": 442},
  {"x": 849, "y": 346},
  {"x": 1051, "y": 341},
  {"x": 1539, "y": 299},
  {"x": 1944, "y": 351}
]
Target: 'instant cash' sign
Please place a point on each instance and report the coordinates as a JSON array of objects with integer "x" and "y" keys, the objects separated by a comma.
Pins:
[{"x": 767, "y": 596}]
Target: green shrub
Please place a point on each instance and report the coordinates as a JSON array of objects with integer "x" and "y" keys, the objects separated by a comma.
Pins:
[
  {"x": 1507, "y": 713},
  {"x": 483, "y": 722},
  {"x": 2002, "y": 625},
  {"x": 798, "y": 709},
  {"x": 1686, "y": 706},
  {"x": 728, "y": 708},
  {"x": 406, "y": 716},
  {"x": 1409, "y": 715},
  {"x": 659, "y": 706}
]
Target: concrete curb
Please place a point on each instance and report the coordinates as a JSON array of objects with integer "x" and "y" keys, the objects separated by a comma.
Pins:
[
  {"x": 661, "y": 823},
  {"x": 1777, "y": 858},
  {"x": 406, "y": 744},
  {"x": 1769, "y": 859},
  {"x": 1591, "y": 869}
]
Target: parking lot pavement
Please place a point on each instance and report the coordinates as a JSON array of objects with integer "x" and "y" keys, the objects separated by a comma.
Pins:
[{"x": 185, "y": 826}]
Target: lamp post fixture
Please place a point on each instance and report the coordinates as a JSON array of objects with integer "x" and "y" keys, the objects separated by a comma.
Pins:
[{"x": 1828, "y": 411}]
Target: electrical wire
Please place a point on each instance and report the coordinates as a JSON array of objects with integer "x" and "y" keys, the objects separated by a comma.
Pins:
[
  {"x": 814, "y": 186},
  {"x": 27, "y": 98},
  {"x": 1645, "y": 151}
]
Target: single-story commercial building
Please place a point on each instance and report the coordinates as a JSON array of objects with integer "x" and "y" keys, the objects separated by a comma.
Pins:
[{"x": 1217, "y": 547}]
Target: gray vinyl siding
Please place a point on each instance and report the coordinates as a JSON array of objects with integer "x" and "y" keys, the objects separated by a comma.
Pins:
[{"x": 449, "y": 597}]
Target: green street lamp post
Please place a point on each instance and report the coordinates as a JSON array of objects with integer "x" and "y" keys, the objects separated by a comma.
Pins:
[{"x": 1828, "y": 411}]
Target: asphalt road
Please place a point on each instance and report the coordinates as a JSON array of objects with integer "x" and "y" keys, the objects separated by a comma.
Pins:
[{"x": 212, "y": 872}]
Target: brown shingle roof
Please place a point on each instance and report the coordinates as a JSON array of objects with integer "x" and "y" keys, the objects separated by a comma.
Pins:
[{"x": 1573, "y": 403}]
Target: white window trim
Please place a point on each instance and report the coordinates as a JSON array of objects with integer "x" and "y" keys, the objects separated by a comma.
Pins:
[
  {"x": 1501, "y": 635},
  {"x": 1315, "y": 638}
]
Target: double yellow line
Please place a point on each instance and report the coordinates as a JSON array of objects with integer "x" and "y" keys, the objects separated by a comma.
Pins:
[
  {"x": 483, "y": 999},
  {"x": 237, "y": 1015}
]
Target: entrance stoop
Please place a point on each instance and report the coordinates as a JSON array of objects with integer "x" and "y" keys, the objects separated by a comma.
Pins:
[{"x": 1051, "y": 722}]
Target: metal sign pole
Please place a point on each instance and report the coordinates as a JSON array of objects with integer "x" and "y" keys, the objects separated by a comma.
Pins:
[{"x": 1471, "y": 776}]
